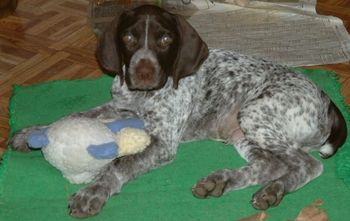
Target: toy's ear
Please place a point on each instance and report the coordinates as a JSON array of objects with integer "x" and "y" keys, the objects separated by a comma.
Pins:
[
  {"x": 103, "y": 151},
  {"x": 38, "y": 139},
  {"x": 117, "y": 125}
]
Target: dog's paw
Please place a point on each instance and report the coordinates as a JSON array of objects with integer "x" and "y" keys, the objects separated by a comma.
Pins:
[
  {"x": 87, "y": 202},
  {"x": 268, "y": 196},
  {"x": 212, "y": 185}
]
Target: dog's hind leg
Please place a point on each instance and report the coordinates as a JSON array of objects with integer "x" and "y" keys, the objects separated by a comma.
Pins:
[
  {"x": 263, "y": 167},
  {"x": 273, "y": 146},
  {"x": 288, "y": 127},
  {"x": 278, "y": 172},
  {"x": 302, "y": 168}
]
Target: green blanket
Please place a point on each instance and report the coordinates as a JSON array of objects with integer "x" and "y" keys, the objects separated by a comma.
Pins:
[{"x": 31, "y": 189}]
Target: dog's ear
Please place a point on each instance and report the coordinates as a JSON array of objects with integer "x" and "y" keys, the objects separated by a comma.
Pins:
[
  {"x": 192, "y": 50},
  {"x": 108, "y": 52}
]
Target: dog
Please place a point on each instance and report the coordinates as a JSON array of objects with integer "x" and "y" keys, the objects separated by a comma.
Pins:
[{"x": 167, "y": 76}]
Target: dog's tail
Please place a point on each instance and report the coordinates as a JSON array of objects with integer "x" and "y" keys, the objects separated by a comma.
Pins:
[{"x": 338, "y": 133}]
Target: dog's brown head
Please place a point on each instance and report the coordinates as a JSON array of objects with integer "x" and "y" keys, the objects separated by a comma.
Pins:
[{"x": 153, "y": 45}]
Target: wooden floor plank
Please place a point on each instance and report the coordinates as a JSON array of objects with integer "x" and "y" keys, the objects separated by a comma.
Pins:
[
  {"x": 45, "y": 24},
  {"x": 22, "y": 68},
  {"x": 81, "y": 36}
]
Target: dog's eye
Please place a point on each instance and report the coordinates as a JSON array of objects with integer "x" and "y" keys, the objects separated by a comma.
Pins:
[
  {"x": 129, "y": 38},
  {"x": 165, "y": 41}
]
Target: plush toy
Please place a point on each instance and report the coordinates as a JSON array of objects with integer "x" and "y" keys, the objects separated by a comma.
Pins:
[{"x": 79, "y": 147}]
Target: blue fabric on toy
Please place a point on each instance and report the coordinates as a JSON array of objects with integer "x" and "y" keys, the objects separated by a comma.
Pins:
[
  {"x": 103, "y": 151},
  {"x": 117, "y": 125},
  {"x": 38, "y": 138},
  {"x": 110, "y": 150}
]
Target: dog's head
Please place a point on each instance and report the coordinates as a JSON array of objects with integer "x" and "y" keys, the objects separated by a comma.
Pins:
[{"x": 153, "y": 44}]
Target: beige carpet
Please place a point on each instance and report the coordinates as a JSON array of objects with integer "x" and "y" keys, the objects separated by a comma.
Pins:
[{"x": 285, "y": 31}]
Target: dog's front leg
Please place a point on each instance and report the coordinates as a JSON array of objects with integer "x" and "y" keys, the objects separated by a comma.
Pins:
[
  {"x": 106, "y": 112},
  {"x": 90, "y": 200}
]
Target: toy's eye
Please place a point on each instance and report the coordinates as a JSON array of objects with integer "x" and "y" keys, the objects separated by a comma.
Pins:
[
  {"x": 165, "y": 40},
  {"x": 129, "y": 38}
]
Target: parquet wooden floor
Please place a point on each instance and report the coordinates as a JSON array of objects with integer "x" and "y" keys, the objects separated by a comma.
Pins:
[{"x": 50, "y": 40}]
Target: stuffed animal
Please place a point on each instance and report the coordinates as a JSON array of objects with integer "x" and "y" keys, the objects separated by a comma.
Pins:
[{"x": 79, "y": 147}]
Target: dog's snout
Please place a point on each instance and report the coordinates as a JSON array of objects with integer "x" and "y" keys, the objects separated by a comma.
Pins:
[{"x": 145, "y": 70}]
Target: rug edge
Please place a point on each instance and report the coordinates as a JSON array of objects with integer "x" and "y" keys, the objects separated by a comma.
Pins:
[{"x": 4, "y": 158}]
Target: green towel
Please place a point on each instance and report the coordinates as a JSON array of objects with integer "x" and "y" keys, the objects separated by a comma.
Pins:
[{"x": 31, "y": 189}]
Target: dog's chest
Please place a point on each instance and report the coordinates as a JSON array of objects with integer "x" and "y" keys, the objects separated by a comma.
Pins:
[{"x": 164, "y": 111}]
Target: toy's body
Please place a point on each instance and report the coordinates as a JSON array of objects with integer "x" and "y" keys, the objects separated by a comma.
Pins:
[{"x": 80, "y": 147}]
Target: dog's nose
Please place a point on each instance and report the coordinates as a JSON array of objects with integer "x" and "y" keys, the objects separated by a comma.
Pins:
[
  {"x": 145, "y": 73},
  {"x": 145, "y": 70}
]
